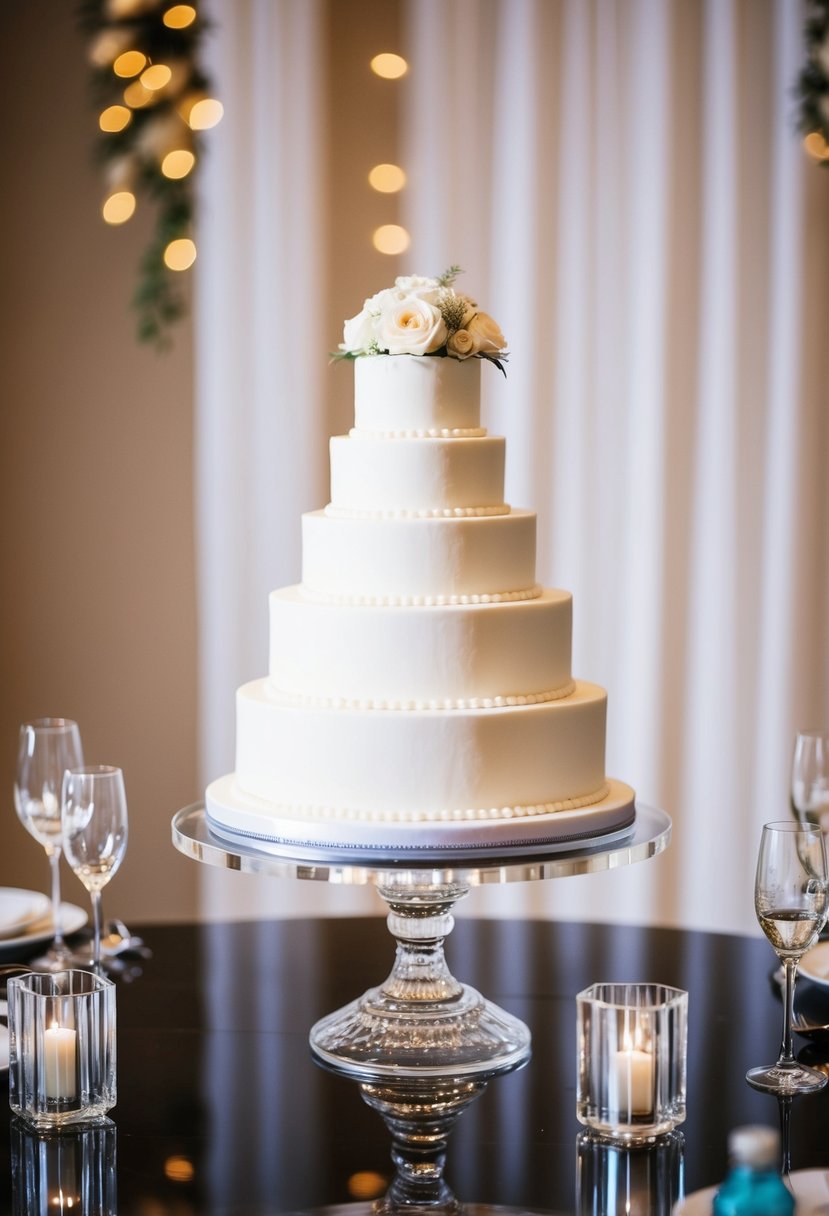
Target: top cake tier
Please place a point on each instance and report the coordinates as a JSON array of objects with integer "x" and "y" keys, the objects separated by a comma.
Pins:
[{"x": 417, "y": 395}]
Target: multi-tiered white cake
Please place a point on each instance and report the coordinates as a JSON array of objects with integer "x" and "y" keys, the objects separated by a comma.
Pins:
[{"x": 419, "y": 694}]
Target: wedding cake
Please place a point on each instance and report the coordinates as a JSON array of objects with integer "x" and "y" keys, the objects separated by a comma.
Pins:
[{"x": 419, "y": 694}]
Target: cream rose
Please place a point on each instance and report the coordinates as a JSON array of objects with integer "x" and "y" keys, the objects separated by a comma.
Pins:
[
  {"x": 411, "y": 327},
  {"x": 461, "y": 344},
  {"x": 486, "y": 334}
]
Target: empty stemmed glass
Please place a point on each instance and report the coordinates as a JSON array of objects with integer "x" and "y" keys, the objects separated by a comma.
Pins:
[
  {"x": 791, "y": 899},
  {"x": 94, "y": 816},
  {"x": 47, "y": 748},
  {"x": 810, "y": 777}
]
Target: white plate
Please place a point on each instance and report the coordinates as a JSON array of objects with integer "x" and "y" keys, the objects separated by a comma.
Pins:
[
  {"x": 809, "y": 1187},
  {"x": 815, "y": 964},
  {"x": 72, "y": 919},
  {"x": 20, "y": 909}
]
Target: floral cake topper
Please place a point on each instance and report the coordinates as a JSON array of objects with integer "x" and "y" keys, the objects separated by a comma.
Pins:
[{"x": 423, "y": 316}]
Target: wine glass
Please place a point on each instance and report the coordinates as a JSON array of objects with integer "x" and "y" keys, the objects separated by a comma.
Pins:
[
  {"x": 47, "y": 747},
  {"x": 94, "y": 816},
  {"x": 791, "y": 899},
  {"x": 810, "y": 777}
]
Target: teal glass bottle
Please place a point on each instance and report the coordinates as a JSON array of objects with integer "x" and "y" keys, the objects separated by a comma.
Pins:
[{"x": 753, "y": 1186}]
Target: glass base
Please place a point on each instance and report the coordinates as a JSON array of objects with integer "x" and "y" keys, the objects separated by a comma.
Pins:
[
  {"x": 786, "y": 1079},
  {"x": 421, "y": 1022},
  {"x": 422, "y": 1045},
  {"x": 382, "y": 1036}
]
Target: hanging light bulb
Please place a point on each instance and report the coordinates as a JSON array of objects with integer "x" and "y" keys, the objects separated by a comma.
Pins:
[
  {"x": 816, "y": 146},
  {"x": 387, "y": 179},
  {"x": 156, "y": 76},
  {"x": 205, "y": 114},
  {"x": 178, "y": 163},
  {"x": 137, "y": 97},
  {"x": 179, "y": 16},
  {"x": 115, "y": 118},
  {"x": 389, "y": 65},
  {"x": 180, "y": 254},
  {"x": 391, "y": 238},
  {"x": 130, "y": 63},
  {"x": 118, "y": 207}
]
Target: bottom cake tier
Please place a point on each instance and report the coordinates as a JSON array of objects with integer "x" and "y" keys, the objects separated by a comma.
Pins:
[{"x": 233, "y": 813}]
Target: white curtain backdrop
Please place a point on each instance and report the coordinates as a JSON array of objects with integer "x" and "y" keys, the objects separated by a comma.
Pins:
[
  {"x": 260, "y": 418},
  {"x": 622, "y": 183}
]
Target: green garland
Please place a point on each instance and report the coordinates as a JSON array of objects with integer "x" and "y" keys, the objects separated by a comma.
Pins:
[
  {"x": 813, "y": 82},
  {"x": 132, "y": 155}
]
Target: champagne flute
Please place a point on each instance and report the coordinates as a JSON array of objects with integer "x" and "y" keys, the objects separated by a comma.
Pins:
[
  {"x": 791, "y": 899},
  {"x": 94, "y": 816},
  {"x": 47, "y": 747},
  {"x": 810, "y": 778}
]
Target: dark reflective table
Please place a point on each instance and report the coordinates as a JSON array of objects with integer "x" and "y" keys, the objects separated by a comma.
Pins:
[{"x": 221, "y": 1108}]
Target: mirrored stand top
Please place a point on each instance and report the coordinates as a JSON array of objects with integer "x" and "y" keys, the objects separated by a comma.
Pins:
[{"x": 648, "y": 836}]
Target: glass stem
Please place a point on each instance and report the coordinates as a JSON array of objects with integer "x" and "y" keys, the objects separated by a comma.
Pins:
[
  {"x": 97, "y": 913},
  {"x": 54, "y": 865},
  {"x": 789, "y": 970}
]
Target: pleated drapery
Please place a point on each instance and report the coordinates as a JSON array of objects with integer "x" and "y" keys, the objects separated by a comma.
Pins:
[{"x": 624, "y": 187}]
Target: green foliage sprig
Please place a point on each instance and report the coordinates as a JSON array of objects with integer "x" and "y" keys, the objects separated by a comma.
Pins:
[
  {"x": 130, "y": 159},
  {"x": 812, "y": 87}
]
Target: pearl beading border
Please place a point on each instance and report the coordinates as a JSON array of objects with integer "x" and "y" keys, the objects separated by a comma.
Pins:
[
  {"x": 432, "y": 432},
  {"x": 414, "y": 512},
  {"x": 448, "y": 704},
  {"x": 457, "y": 815},
  {"x": 422, "y": 601}
]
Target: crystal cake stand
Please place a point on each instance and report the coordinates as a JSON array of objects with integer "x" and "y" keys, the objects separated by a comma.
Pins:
[{"x": 422, "y": 1045}]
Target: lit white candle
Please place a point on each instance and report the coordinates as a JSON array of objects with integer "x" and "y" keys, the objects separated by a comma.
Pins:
[
  {"x": 630, "y": 1084},
  {"x": 60, "y": 1049}
]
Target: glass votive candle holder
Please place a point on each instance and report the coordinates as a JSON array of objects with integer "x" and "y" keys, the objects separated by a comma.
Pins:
[
  {"x": 61, "y": 1048},
  {"x": 632, "y": 1044}
]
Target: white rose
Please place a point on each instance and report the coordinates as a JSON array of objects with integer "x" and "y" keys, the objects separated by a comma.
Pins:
[
  {"x": 461, "y": 344},
  {"x": 359, "y": 332},
  {"x": 486, "y": 334},
  {"x": 417, "y": 285},
  {"x": 411, "y": 327}
]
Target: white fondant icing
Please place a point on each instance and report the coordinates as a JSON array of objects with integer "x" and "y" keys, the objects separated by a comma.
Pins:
[
  {"x": 425, "y": 761},
  {"x": 418, "y": 557},
  {"x": 416, "y": 392},
  {"x": 385, "y": 475},
  {"x": 417, "y": 654}
]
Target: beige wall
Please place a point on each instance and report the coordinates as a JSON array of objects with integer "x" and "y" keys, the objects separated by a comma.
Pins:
[{"x": 96, "y": 540}]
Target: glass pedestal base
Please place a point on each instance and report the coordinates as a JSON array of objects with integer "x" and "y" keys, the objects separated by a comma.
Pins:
[
  {"x": 421, "y": 1022},
  {"x": 422, "y": 1045}
]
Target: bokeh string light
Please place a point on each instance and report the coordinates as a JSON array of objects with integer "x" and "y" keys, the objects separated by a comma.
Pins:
[
  {"x": 153, "y": 102},
  {"x": 391, "y": 239}
]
